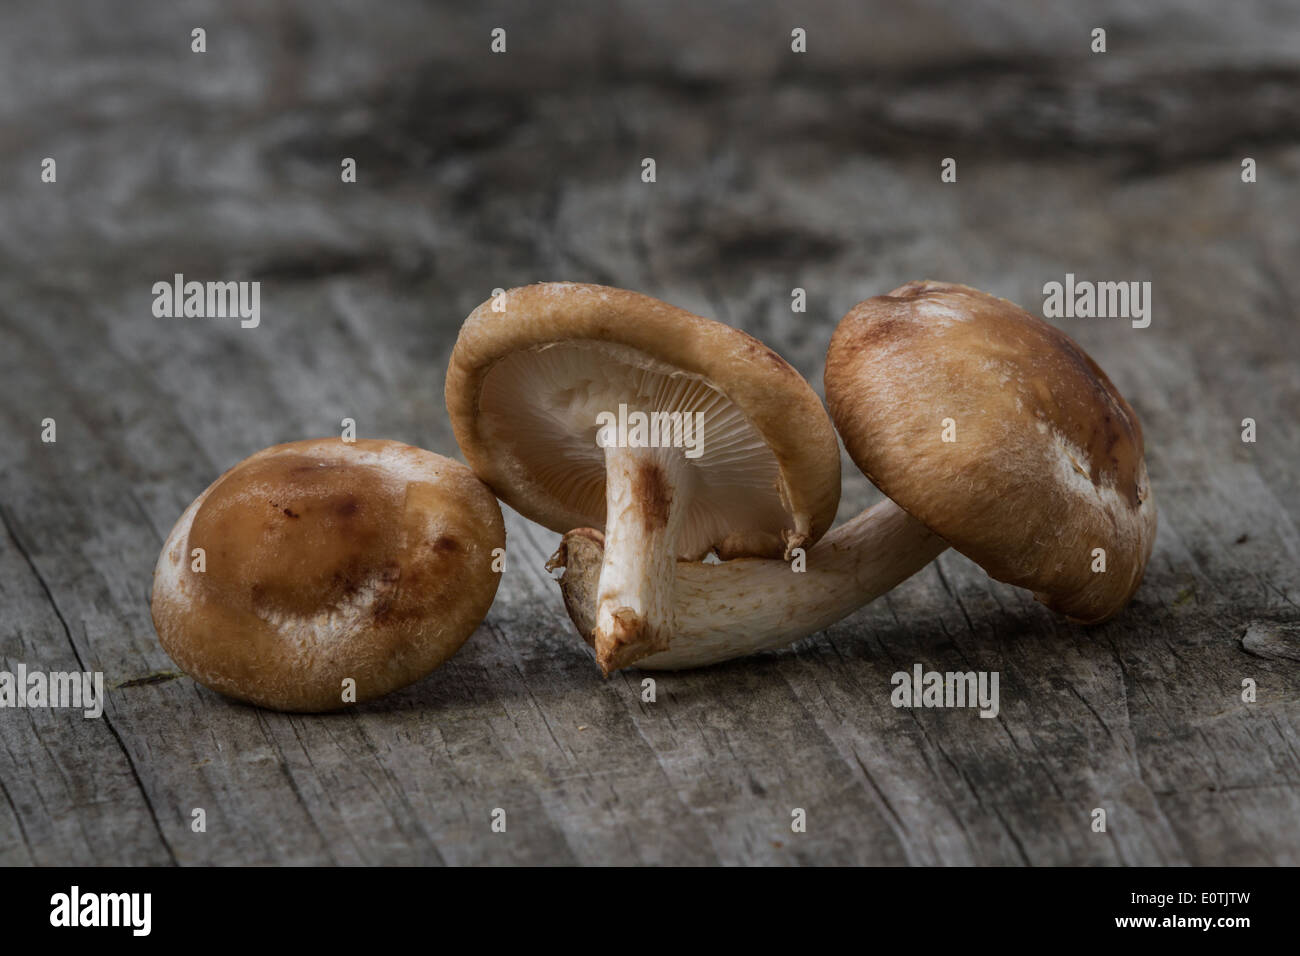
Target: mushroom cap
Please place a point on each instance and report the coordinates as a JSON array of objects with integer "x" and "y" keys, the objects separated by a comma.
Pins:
[
  {"x": 525, "y": 387},
  {"x": 1048, "y": 459},
  {"x": 327, "y": 560}
]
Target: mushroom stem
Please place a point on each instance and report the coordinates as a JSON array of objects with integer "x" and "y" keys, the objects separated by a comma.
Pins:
[
  {"x": 643, "y": 511},
  {"x": 738, "y": 607}
]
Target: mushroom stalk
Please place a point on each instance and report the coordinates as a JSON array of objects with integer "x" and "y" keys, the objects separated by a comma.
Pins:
[
  {"x": 727, "y": 610},
  {"x": 644, "y": 504}
]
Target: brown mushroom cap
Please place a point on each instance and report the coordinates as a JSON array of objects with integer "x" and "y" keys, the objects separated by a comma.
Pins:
[
  {"x": 1048, "y": 459},
  {"x": 327, "y": 560},
  {"x": 524, "y": 387}
]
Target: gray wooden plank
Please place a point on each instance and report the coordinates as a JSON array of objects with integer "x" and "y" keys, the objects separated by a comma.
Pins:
[{"x": 479, "y": 171}]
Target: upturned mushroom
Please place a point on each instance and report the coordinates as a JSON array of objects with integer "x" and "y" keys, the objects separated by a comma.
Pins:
[
  {"x": 582, "y": 405},
  {"x": 989, "y": 429},
  {"x": 319, "y": 573}
]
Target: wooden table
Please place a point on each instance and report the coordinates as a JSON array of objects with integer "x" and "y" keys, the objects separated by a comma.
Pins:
[{"x": 774, "y": 170}]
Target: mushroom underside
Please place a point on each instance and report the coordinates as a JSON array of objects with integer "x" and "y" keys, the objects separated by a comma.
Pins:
[{"x": 658, "y": 457}]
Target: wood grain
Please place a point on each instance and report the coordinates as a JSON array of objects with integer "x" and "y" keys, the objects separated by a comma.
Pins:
[{"x": 774, "y": 171}]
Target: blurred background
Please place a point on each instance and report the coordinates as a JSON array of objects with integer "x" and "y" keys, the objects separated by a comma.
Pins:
[
  {"x": 774, "y": 171},
  {"x": 476, "y": 170}
]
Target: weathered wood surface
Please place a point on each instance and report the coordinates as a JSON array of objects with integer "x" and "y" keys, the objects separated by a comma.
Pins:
[{"x": 774, "y": 171}]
